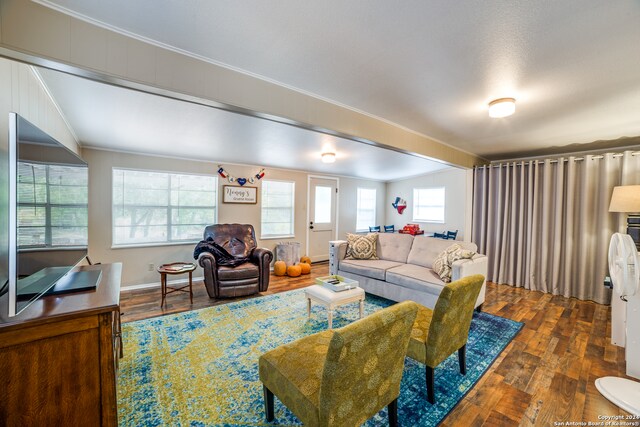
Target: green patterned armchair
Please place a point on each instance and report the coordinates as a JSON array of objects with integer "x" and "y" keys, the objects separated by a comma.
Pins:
[
  {"x": 341, "y": 377},
  {"x": 439, "y": 332}
]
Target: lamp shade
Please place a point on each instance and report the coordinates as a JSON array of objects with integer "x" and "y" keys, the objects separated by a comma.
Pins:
[
  {"x": 328, "y": 157},
  {"x": 625, "y": 198},
  {"x": 502, "y": 107}
]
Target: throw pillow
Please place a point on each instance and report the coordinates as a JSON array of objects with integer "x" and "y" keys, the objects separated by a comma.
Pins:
[
  {"x": 361, "y": 246},
  {"x": 445, "y": 259}
]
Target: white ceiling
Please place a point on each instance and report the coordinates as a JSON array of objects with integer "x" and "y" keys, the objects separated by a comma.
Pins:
[
  {"x": 431, "y": 66},
  {"x": 115, "y": 118}
]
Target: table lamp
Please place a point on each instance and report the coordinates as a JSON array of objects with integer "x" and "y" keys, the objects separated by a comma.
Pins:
[{"x": 626, "y": 199}]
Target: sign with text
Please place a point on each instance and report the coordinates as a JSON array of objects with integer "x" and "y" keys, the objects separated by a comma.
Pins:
[{"x": 233, "y": 194}]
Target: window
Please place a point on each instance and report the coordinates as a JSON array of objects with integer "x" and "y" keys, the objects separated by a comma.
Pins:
[
  {"x": 428, "y": 204},
  {"x": 365, "y": 209},
  {"x": 277, "y": 209},
  {"x": 322, "y": 211},
  {"x": 159, "y": 207},
  {"x": 52, "y": 205}
]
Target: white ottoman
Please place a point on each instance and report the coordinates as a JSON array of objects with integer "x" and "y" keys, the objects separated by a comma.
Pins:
[{"x": 331, "y": 299}]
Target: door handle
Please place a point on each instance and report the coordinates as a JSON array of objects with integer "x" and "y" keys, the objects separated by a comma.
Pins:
[{"x": 311, "y": 227}]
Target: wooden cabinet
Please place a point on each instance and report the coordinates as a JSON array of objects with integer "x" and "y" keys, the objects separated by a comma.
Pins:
[{"x": 58, "y": 358}]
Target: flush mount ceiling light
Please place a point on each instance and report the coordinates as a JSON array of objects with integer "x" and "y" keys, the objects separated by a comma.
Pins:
[
  {"x": 328, "y": 157},
  {"x": 502, "y": 107}
]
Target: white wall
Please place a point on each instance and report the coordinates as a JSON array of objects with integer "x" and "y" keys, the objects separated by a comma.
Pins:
[
  {"x": 136, "y": 260},
  {"x": 22, "y": 93},
  {"x": 457, "y": 203},
  {"x": 347, "y": 200}
]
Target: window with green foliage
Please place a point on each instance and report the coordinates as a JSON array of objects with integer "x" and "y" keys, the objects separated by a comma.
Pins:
[
  {"x": 52, "y": 205},
  {"x": 160, "y": 207}
]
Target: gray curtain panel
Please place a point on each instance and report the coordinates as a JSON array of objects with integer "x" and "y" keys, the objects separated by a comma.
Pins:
[{"x": 545, "y": 224}]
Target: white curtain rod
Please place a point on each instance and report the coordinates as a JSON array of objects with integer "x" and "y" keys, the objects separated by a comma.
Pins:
[{"x": 577, "y": 159}]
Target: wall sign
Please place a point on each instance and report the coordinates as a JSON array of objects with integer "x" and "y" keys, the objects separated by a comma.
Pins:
[{"x": 234, "y": 194}]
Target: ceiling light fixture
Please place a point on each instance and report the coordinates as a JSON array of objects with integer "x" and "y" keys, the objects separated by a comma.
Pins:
[
  {"x": 328, "y": 157},
  {"x": 502, "y": 107}
]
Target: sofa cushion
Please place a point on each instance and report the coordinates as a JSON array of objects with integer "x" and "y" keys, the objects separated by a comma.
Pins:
[
  {"x": 375, "y": 269},
  {"x": 415, "y": 277},
  {"x": 394, "y": 247},
  {"x": 361, "y": 247},
  {"x": 425, "y": 250},
  {"x": 246, "y": 270}
]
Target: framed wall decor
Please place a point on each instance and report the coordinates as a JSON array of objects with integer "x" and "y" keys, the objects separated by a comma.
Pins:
[{"x": 237, "y": 194}]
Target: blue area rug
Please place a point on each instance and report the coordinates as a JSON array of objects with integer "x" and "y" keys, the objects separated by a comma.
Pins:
[{"x": 200, "y": 368}]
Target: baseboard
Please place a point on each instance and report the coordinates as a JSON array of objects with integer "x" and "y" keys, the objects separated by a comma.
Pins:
[
  {"x": 157, "y": 284},
  {"x": 178, "y": 281}
]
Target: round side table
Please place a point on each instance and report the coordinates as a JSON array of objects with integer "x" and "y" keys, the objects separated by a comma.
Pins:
[{"x": 176, "y": 268}]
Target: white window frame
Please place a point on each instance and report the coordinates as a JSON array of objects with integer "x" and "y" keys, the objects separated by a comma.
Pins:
[
  {"x": 375, "y": 207},
  {"x": 168, "y": 207},
  {"x": 264, "y": 236},
  {"x": 443, "y": 206}
]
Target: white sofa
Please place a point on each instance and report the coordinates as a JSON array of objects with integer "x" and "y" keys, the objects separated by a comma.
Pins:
[{"x": 404, "y": 270}]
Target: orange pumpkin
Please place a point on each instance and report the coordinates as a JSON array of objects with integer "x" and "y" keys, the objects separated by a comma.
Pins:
[
  {"x": 280, "y": 268},
  {"x": 305, "y": 259},
  {"x": 306, "y": 268},
  {"x": 294, "y": 270}
]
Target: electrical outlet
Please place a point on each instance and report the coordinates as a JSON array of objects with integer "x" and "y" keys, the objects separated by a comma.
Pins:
[{"x": 151, "y": 267}]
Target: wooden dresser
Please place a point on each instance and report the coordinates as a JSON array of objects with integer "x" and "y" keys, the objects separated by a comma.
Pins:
[{"x": 59, "y": 357}]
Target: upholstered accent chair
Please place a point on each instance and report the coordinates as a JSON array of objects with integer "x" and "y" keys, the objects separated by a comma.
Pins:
[
  {"x": 439, "y": 332},
  {"x": 247, "y": 278},
  {"x": 341, "y": 377}
]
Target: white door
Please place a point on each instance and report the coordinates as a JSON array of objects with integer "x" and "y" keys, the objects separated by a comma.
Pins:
[{"x": 322, "y": 216}]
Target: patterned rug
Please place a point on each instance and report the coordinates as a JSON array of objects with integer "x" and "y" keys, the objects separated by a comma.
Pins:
[{"x": 200, "y": 368}]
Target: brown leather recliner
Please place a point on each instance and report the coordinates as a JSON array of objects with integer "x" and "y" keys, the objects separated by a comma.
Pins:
[{"x": 245, "y": 279}]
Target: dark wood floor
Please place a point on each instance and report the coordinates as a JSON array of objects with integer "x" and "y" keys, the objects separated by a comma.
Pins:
[{"x": 545, "y": 375}]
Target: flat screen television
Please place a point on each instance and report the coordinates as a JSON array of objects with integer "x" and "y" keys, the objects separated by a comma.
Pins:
[{"x": 47, "y": 217}]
